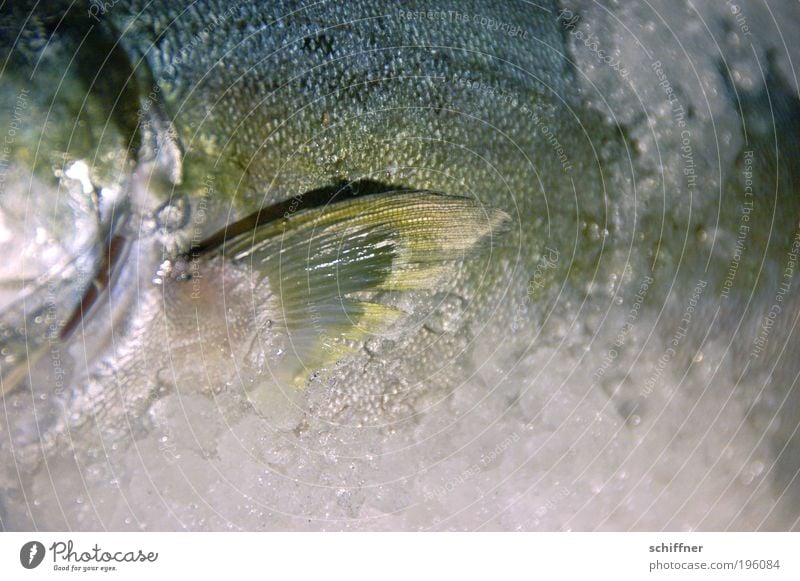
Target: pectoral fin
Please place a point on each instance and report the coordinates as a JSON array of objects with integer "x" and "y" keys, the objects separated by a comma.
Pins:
[{"x": 319, "y": 266}]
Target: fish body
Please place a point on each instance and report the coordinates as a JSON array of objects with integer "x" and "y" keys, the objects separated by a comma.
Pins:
[{"x": 539, "y": 269}]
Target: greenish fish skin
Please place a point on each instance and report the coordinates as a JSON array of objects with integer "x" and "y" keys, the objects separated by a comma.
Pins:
[{"x": 231, "y": 128}]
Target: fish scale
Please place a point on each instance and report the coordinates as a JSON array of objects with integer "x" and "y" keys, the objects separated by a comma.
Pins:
[{"x": 287, "y": 117}]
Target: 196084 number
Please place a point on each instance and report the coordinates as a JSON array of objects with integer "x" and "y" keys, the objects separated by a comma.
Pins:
[{"x": 760, "y": 564}]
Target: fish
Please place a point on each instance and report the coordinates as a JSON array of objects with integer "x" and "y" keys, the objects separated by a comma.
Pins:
[
  {"x": 33, "y": 323},
  {"x": 292, "y": 238}
]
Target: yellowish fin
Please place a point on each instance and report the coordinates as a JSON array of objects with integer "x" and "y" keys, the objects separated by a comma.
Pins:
[{"x": 320, "y": 263}]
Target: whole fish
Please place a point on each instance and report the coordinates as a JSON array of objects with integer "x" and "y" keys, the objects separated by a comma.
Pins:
[{"x": 362, "y": 264}]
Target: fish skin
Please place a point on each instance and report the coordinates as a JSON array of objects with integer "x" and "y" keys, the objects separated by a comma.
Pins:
[
  {"x": 274, "y": 132},
  {"x": 269, "y": 108},
  {"x": 236, "y": 106}
]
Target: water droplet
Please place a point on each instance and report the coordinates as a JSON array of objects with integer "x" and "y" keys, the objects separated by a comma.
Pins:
[
  {"x": 174, "y": 214},
  {"x": 80, "y": 171}
]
